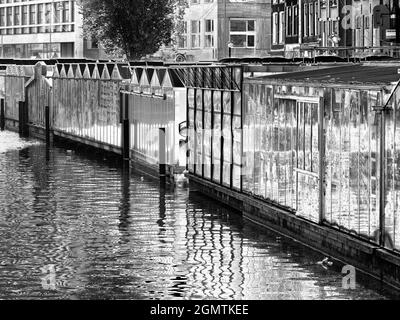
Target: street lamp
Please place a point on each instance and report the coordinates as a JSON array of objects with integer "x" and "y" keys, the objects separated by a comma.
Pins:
[{"x": 230, "y": 46}]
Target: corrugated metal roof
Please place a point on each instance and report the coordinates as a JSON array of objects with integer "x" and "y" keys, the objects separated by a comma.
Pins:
[{"x": 349, "y": 74}]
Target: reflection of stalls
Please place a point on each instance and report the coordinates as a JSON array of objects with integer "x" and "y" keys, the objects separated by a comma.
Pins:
[
  {"x": 155, "y": 97},
  {"x": 328, "y": 127}
]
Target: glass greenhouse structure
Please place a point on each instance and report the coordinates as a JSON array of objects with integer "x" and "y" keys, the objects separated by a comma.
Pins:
[{"x": 321, "y": 144}]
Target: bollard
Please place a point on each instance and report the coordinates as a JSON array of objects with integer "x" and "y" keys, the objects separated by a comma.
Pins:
[
  {"x": 47, "y": 121},
  {"x": 162, "y": 155},
  {"x": 2, "y": 116}
]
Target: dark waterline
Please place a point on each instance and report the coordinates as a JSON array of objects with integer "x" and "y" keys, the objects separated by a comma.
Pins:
[{"x": 73, "y": 226}]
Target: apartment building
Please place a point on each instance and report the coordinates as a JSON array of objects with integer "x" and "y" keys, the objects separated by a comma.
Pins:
[
  {"x": 43, "y": 29},
  {"x": 298, "y": 25},
  {"x": 216, "y": 29}
]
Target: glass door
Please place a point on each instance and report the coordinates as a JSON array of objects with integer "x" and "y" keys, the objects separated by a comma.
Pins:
[{"x": 308, "y": 161}]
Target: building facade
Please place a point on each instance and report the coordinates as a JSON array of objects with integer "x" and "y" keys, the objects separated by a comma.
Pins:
[
  {"x": 217, "y": 29},
  {"x": 350, "y": 26},
  {"x": 43, "y": 29}
]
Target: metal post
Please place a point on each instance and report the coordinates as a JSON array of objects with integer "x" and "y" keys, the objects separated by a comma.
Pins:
[
  {"x": 126, "y": 139},
  {"x": 382, "y": 164},
  {"x": 125, "y": 143},
  {"x": 47, "y": 120},
  {"x": 25, "y": 126},
  {"x": 322, "y": 164},
  {"x": 2, "y": 115},
  {"x": 21, "y": 118},
  {"x": 162, "y": 154}
]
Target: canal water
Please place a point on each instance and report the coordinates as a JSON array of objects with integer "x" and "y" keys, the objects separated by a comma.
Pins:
[{"x": 73, "y": 226}]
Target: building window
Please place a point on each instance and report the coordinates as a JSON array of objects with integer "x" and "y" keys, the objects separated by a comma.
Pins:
[
  {"x": 292, "y": 20},
  {"x": 242, "y": 33},
  {"x": 9, "y": 17},
  {"x": 32, "y": 14},
  {"x": 289, "y": 21},
  {"x": 65, "y": 12},
  {"x": 312, "y": 17},
  {"x": 209, "y": 33},
  {"x": 182, "y": 38},
  {"x": 17, "y": 16},
  {"x": 281, "y": 27},
  {"x": 195, "y": 34},
  {"x": 306, "y": 20},
  {"x": 2, "y": 17},
  {"x": 275, "y": 28}
]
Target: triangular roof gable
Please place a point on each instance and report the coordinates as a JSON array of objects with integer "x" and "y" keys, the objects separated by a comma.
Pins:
[
  {"x": 71, "y": 73},
  {"x": 86, "y": 73},
  {"x": 56, "y": 73},
  {"x": 144, "y": 80},
  {"x": 134, "y": 78},
  {"x": 155, "y": 80},
  {"x": 63, "y": 73},
  {"x": 106, "y": 73},
  {"x": 94, "y": 71},
  {"x": 115, "y": 74},
  {"x": 167, "y": 83},
  {"x": 78, "y": 72}
]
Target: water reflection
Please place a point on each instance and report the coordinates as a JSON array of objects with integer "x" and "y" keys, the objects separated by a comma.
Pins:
[{"x": 107, "y": 234}]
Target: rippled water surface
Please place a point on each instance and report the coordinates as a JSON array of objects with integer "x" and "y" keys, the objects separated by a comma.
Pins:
[{"x": 73, "y": 226}]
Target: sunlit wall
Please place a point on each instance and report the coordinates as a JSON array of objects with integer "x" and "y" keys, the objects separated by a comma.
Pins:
[{"x": 88, "y": 108}]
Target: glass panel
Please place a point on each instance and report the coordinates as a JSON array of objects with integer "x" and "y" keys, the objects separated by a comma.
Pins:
[
  {"x": 392, "y": 183},
  {"x": 227, "y": 149},
  {"x": 199, "y": 133},
  {"x": 217, "y": 136},
  {"x": 248, "y": 139},
  {"x": 207, "y": 134}
]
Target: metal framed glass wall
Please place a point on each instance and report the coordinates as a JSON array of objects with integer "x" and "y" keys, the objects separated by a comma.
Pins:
[
  {"x": 391, "y": 192},
  {"x": 281, "y": 148},
  {"x": 352, "y": 150},
  {"x": 317, "y": 152},
  {"x": 215, "y": 124}
]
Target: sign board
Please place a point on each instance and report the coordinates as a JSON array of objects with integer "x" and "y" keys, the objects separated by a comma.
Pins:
[{"x": 390, "y": 34}]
